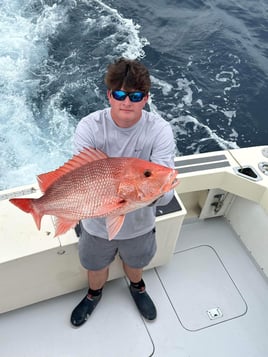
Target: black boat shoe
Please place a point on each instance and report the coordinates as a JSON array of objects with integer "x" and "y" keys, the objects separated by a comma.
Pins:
[
  {"x": 143, "y": 302},
  {"x": 84, "y": 309}
]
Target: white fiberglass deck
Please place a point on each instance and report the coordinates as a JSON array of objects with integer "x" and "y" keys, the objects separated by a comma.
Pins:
[{"x": 210, "y": 271}]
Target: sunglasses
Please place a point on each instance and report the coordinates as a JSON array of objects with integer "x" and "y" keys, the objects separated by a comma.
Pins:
[{"x": 134, "y": 97}]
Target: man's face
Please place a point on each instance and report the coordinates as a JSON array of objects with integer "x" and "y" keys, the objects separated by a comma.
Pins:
[{"x": 126, "y": 113}]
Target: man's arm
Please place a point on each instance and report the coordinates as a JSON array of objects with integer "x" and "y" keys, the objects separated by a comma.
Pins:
[
  {"x": 163, "y": 153},
  {"x": 82, "y": 137}
]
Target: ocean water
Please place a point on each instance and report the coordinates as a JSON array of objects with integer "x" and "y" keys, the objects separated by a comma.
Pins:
[{"x": 208, "y": 61}]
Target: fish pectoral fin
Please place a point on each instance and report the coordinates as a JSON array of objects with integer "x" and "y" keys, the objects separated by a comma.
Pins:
[
  {"x": 110, "y": 208},
  {"x": 63, "y": 225},
  {"x": 114, "y": 225}
]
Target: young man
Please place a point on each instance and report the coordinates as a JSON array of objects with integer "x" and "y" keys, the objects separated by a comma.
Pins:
[{"x": 124, "y": 129}]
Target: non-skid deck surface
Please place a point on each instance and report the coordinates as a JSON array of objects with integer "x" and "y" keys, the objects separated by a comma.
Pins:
[
  {"x": 210, "y": 270},
  {"x": 44, "y": 330}
]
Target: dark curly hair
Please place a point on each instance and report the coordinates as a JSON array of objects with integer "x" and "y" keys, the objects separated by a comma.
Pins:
[{"x": 128, "y": 75}]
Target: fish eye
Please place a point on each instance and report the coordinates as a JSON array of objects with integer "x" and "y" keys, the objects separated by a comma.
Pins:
[{"x": 147, "y": 173}]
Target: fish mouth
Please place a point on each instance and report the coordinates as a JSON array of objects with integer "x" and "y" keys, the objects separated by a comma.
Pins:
[
  {"x": 173, "y": 176},
  {"x": 175, "y": 182},
  {"x": 171, "y": 182}
]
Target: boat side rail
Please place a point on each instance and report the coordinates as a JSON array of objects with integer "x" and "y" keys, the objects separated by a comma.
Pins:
[{"x": 233, "y": 171}]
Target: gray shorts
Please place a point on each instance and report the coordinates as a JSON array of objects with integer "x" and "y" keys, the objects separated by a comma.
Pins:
[{"x": 97, "y": 253}]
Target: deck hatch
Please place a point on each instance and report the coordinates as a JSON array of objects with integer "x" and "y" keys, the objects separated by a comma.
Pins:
[{"x": 200, "y": 289}]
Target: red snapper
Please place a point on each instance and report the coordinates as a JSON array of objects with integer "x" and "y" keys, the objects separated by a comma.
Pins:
[{"x": 94, "y": 185}]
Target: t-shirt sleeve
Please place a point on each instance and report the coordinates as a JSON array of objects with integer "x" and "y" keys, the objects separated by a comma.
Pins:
[
  {"x": 163, "y": 153},
  {"x": 83, "y": 137}
]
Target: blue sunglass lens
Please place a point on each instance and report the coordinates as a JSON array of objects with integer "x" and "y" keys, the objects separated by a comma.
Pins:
[
  {"x": 133, "y": 96},
  {"x": 136, "y": 96},
  {"x": 119, "y": 94}
]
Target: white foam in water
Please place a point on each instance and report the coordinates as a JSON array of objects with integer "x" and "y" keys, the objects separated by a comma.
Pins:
[
  {"x": 165, "y": 87},
  {"x": 133, "y": 45},
  {"x": 229, "y": 78},
  {"x": 197, "y": 127},
  {"x": 183, "y": 98},
  {"x": 25, "y": 149},
  {"x": 36, "y": 138},
  {"x": 230, "y": 114},
  {"x": 184, "y": 85}
]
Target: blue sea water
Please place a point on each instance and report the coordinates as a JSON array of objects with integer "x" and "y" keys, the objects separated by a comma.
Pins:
[{"x": 208, "y": 61}]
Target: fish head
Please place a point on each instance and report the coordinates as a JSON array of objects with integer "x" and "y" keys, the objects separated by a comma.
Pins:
[{"x": 145, "y": 181}]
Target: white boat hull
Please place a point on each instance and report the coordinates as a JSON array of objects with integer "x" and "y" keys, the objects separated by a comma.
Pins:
[{"x": 208, "y": 279}]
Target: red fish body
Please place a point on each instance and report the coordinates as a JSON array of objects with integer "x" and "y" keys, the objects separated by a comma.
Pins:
[{"x": 94, "y": 185}]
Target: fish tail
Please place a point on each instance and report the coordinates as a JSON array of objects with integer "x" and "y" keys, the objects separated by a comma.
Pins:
[{"x": 26, "y": 205}]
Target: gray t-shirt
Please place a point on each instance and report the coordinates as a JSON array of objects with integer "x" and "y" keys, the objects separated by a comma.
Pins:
[{"x": 151, "y": 139}]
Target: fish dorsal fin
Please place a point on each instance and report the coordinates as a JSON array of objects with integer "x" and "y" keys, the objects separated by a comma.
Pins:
[{"x": 84, "y": 157}]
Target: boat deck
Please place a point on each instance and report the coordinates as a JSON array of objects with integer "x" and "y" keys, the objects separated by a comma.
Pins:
[{"x": 211, "y": 299}]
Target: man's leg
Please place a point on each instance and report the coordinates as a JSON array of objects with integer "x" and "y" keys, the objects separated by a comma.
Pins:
[
  {"x": 134, "y": 275},
  {"x": 96, "y": 254},
  {"x": 97, "y": 278},
  {"x": 136, "y": 253},
  {"x": 84, "y": 309},
  {"x": 142, "y": 300}
]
